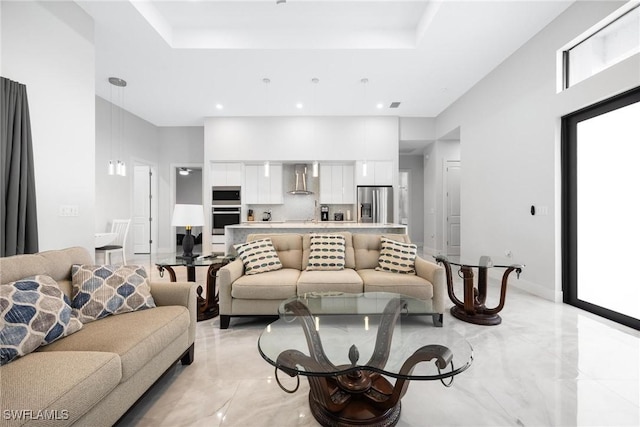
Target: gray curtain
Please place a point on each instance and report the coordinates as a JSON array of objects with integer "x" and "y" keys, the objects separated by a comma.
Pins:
[{"x": 19, "y": 227}]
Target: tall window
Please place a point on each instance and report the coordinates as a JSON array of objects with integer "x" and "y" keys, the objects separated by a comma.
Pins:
[
  {"x": 614, "y": 40},
  {"x": 601, "y": 229}
]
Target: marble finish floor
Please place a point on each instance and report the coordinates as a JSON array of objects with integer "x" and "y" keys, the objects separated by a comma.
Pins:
[{"x": 547, "y": 364}]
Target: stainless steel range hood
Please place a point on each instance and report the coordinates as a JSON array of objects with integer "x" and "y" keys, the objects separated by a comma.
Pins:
[{"x": 301, "y": 181}]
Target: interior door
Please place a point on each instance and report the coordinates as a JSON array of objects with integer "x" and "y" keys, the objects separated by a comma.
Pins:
[
  {"x": 452, "y": 179},
  {"x": 141, "y": 226}
]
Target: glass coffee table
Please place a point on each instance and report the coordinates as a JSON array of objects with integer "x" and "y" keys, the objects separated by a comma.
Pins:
[
  {"x": 472, "y": 307},
  {"x": 347, "y": 354}
]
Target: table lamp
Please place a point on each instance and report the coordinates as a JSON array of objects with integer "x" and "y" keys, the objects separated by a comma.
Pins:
[{"x": 187, "y": 216}]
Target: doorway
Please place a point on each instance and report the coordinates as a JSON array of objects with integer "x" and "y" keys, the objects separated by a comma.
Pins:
[
  {"x": 452, "y": 204},
  {"x": 143, "y": 226},
  {"x": 188, "y": 191},
  {"x": 600, "y": 178}
]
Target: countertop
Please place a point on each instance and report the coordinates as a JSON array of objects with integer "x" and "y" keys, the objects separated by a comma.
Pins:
[{"x": 312, "y": 224}]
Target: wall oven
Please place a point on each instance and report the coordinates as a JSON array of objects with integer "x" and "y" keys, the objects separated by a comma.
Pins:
[{"x": 223, "y": 216}]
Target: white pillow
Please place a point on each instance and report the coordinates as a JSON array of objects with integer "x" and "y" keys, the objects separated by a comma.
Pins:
[
  {"x": 396, "y": 257},
  {"x": 326, "y": 252},
  {"x": 258, "y": 256}
]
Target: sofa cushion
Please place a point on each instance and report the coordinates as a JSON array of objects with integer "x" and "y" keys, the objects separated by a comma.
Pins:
[
  {"x": 396, "y": 257},
  {"x": 258, "y": 256},
  {"x": 280, "y": 284},
  {"x": 288, "y": 246},
  {"x": 154, "y": 329},
  {"x": 56, "y": 264},
  {"x": 346, "y": 280},
  {"x": 103, "y": 290},
  {"x": 326, "y": 252},
  {"x": 367, "y": 248},
  {"x": 68, "y": 384},
  {"x": 406, "y": 284},
  {"x": 34, "y": 312},
  {"x": 349, "y": 260}
]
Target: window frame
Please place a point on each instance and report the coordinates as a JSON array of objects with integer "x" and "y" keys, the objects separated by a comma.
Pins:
[{"x": 569, "y": 184}]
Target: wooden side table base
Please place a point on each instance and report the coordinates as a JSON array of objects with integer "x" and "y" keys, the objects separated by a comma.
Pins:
[{"x": 478, "y": 318}]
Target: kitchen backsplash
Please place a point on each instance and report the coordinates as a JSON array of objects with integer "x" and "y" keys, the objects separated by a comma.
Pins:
[{"x": 299, "y": 207}]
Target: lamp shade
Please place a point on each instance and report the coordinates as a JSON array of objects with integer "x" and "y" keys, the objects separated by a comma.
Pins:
[{"x": 188, "y": 215}]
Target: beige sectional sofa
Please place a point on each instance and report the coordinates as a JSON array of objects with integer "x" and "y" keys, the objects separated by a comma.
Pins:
[
  {"x": 92, "y": 377},
  {"x": 261, "y": 294}
]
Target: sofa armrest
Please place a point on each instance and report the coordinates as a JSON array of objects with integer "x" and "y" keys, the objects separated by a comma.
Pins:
[
  {"x": 178, "y": 293},
  {"x": 436, "y": 275},
  {"x": 226, "y": 276}
]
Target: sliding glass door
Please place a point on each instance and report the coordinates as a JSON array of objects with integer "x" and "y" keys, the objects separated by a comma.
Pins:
[{"x": 601, "y": 208}]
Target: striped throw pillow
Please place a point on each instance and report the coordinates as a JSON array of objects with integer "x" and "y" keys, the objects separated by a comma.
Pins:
[
  {"x": 396, "y": 257},
  {"x": 258, "y": 256},
  {"x": 326, "y": 252}
]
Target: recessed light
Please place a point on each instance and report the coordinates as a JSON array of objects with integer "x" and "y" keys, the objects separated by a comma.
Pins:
[
  {"x": 299, "y": 105},
  {"x": 219, "y": 106},
  {"x": 380, "y": 105}
]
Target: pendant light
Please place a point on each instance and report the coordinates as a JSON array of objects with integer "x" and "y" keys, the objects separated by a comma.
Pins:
[
  {"x": 364, "y": 82},
  {"x": 266, "y": 82},
  {"x": 315, "y": 167},
  {"x": 117, "y": 167}
]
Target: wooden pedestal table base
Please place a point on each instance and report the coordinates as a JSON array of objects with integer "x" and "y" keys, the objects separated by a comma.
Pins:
[
  {"x": 473, "y": 309},
  {"x": 208, "y": 307},
  {"x": 358, "y": 396}
]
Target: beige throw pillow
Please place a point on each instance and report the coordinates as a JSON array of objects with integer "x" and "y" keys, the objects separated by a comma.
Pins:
[
  {"x": 258, "y": 256},
  {"x": 396, "y": 257},
  {"x": 104, "y": 290},
  {"x": 326, "y": 252}
]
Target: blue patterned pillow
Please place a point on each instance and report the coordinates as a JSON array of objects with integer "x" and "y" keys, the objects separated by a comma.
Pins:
[
  {"x": 34, "y": 312},
  {"x": 103, "y": 290}
]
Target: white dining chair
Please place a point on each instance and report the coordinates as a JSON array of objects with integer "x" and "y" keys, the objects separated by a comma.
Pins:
[{"x": 121, "y": 228}]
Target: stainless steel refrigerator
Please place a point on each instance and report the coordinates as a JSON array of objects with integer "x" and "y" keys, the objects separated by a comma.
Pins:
[{"x": 375, "y": 204}]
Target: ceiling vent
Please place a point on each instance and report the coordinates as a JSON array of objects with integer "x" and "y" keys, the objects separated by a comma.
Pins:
[{"x": 394, "y": 105}]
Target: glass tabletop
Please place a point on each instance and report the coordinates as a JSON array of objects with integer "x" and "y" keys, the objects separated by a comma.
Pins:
[
  {"x": 349, "y": 303},
  {"x": 176, "y": 261},
  {"x": 320, "y": 344},
  {"x": 484, "y": 261}
]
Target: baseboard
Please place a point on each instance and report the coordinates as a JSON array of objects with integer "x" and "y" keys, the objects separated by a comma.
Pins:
[{"x": 533, "y": 288}]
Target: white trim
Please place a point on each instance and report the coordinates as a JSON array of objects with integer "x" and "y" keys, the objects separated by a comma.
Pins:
[{"x": 155, "y": 209}]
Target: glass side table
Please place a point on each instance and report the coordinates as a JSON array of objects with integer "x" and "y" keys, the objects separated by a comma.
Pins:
[
  {"x": 472, "y": 308},
  {"x": 207, "y": 306}
]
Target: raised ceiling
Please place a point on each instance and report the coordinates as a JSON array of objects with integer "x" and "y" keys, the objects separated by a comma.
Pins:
[{"x": 184, "y": 59}]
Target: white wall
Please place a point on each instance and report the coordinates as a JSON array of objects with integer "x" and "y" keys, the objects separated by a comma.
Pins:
[
  {"x": 48, "y": 46},
  {"x": 417, "y": 128},
  {"x": 415, "y": 165},
  {"x": 301, "y": 138},
  {"x": 114, "y": 193},
  {"x": 510, "y": 136},
  {"x": 144, "y": 143}
]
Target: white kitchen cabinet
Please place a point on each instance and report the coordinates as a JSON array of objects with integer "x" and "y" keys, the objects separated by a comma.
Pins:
[
  {"x": 336, "y": 184},
  {"x": 262, "y": 190},
  {"x": 379, "y": 172},
  {"x": 226, "y": 174}
]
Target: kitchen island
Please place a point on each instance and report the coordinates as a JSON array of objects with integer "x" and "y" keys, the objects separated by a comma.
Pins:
[{"x": 238, "y": 233}]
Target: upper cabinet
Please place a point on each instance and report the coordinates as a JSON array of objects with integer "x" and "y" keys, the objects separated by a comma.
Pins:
[
  {"x": 226, "y": 174},
  {"x": 336, "y": 184},
  {"x": 378, "y": 172},
  {"x": 262, "y": 190}
]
